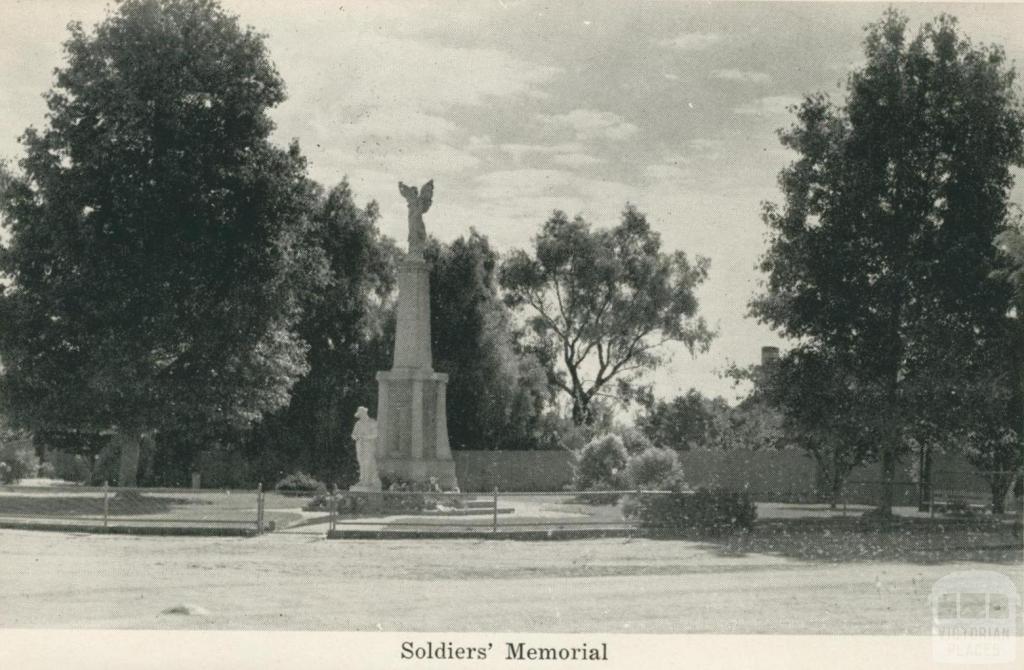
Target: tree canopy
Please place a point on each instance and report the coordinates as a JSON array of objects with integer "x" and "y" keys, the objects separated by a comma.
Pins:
[
  {"x": 601, "y": 302},
  {"x": 883, "y": 247},
  {"x": 348, "y": 326},
  {"x": 475, "y": 342},
  {"x": 158, "y": 239}
]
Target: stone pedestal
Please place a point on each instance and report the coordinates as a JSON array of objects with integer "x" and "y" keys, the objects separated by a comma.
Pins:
[{"x": 412, "y": 419}]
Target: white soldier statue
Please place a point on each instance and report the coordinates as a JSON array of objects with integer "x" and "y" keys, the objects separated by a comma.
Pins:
[
  {"x": 419, "y": 202},
  {"x": 365, "y": 435}
]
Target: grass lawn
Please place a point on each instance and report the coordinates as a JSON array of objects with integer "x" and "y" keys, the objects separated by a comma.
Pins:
[
  {"x": 804, "y": 576},
  {"x": 187, "y": 508}
]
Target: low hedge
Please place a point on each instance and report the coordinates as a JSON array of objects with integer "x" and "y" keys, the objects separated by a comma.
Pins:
[
  {"x": 383, "y": 503},
  {"x": 299, "y": 483},
  {"x": 706, "y": 511}
]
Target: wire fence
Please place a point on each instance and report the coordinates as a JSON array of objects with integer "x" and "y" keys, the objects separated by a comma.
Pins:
[
  {"x": 942, "y": 491},
  {"x": 359, "y": 513},
  {"x": 362, "y": 513},
  {"x": 143, "y": 510}
]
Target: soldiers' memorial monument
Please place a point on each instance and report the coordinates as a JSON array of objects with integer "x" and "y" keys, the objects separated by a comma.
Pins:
[
  {"x": 412, "y": 424},
  {"x": 210, "y": 329}
]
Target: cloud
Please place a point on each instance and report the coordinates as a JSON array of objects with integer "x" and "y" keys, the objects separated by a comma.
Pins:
[
  {"x": 418, "y": 74},
  {"x": 533, "y": 193},
  {"x": 706, "y": 144},
  {"x": 667, "y": 173},
  {"x": 741, "y": 76},
  {"x": 519, "y": 152},
  {"x": 523, "y": 183},
  {"x": 568, "y": 154},
  {"x": 328, "y": 165},
  {"x": 404, "y": 143},
  {"x": 428, "y": 75},
  {"x": 588, "y": 124},
  {"x": 399, "y": 123},
  {"x": 772, "y": 105},
  {"x": 692, "y": 41},
  {"x": 576, "y": 159}
]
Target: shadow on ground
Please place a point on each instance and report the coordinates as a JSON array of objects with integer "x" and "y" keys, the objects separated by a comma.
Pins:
[
  {"x": 120, "y": 504},
  {"x": 842, "y": 540}
]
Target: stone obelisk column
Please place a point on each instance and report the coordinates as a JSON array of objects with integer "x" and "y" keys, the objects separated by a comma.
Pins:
[{"x": 412, "y": 421}]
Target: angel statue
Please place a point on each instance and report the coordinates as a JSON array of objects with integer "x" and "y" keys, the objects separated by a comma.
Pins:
[{"x": 419, "y": 203}]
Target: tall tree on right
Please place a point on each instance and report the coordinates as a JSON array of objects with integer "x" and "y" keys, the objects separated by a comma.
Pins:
[{"x": 883, "y": 247}]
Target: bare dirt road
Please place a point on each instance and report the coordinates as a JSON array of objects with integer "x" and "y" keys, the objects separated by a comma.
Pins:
[{"x": 290, "y": 582}]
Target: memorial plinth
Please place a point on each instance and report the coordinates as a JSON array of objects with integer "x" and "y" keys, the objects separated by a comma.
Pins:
[{"x": 412, "y": 419}]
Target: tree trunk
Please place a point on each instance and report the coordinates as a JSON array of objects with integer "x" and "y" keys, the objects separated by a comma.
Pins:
[
  {"x": 889, "y": 447},
  {"x": 835, "y": 481},
  {"x": 887, "y": 492},
  {"x": 924, "y": 479},
  {"x": 581, "y": 410},
  {"x": 999, "y": 484},
  {"x": 129, "y": 443}
]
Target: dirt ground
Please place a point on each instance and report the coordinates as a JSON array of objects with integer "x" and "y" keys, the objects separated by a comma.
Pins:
[{"x": 293, "y": 581}]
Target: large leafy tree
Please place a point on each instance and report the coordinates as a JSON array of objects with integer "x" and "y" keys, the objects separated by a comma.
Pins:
[
  {"x": 685, "y": 422},
  {"x": 475, "y": 342},
  {"x": 602, "y": 302},
  {"x": 828, "y": 411},
  {"x": 158, "y": 239},
  {"x": 348, "y": 326},
  {"x": 973, "y": 403},
  {"x": 885, "y": 237},
  {"x": 692, "y": 421}
]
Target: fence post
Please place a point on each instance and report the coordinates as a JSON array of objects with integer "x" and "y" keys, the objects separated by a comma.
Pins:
[
  {"x": 106, "y": 502},
  {"x": 931, "y": 495},
  {"x": 494, "y": 526},
  {"x": 332, "y": 509},
  {"x": 259, "y": 509}
]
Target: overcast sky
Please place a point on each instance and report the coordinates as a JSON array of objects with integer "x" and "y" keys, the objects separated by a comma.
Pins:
[{"x": 519, "y": 108}]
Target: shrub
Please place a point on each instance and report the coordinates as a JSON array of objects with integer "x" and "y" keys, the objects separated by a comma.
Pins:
[
  {"x": 321, "y": 500},
  {"x": 47, "y": 471},
  {"x": 225, "y": 468},
  {"x": 600, "y": 463},
  {"x": 959, "y": 506},
  {"x": 106, "y": 467},
  {"x": 299, "y": 482},
  {"x": 705, "y": 512},
  {"x": 558, "y": 432},
  {"x": 361, "y": 502},
  {"x": 635, "y": 441},
  {"x": 68, "y": 466},
  {"x": 654, "y": 468},
  {"x": 19, "y": 456}
]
